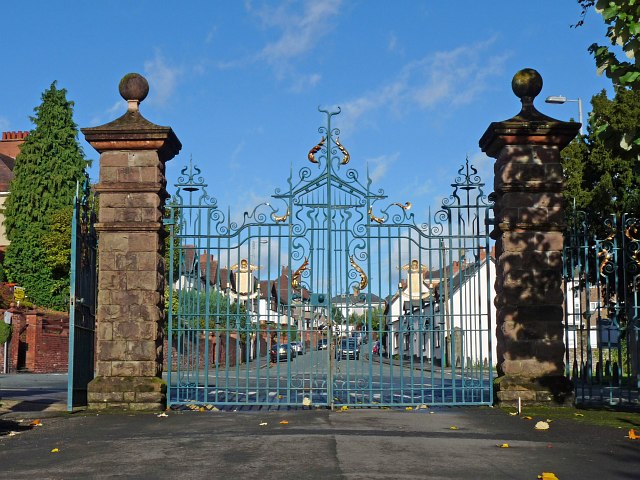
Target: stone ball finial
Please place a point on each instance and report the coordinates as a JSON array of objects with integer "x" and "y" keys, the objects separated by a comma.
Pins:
[
  {"x": 527, "y": 84},
  {"x": 134, "y": 88}
]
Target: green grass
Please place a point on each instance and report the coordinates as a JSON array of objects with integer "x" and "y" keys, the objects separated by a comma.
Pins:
[{"x": 602, "y": 416}]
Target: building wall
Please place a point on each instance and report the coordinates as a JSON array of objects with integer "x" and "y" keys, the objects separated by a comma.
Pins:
[
  {"x": 469, "y": 316},
  {"x": 38, "y": 344},
  {"x": 3, "y": 235},
  {"x": 9, "y": 150}
]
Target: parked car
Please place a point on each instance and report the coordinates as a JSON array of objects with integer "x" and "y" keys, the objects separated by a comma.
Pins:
[
  {"x": 349, "y": 348},
  {"x": 281, "y": 351},
  {"x": 298, "y": 347},
  {"x": 323, "y": 344}
]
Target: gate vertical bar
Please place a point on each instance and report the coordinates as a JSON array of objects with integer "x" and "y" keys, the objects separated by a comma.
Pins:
[{"x": 82, "y": 296}]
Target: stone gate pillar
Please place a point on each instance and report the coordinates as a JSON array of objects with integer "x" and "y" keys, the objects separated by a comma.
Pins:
[
  {"x": 132, "y": 191},
  {"x": 529, "y": 224}
]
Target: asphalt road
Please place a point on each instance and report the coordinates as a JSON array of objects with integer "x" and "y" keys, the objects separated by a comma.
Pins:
[{"x": 445, "y": 443}]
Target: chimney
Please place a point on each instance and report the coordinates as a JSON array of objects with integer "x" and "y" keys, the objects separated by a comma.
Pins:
[{"x": 19, "y": 135}]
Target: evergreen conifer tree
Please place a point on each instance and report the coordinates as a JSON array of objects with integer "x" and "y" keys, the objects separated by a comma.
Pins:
[{"x": 46, "y": 171}]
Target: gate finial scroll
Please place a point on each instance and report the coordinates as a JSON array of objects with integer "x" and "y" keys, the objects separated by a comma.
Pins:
[
  {"x": 363, "y": 277},
  {"x": 295, "y": 278}
]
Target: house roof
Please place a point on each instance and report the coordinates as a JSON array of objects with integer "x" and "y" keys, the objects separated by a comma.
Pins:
[
  {"x": 280, "y": 288},
  {"x": 360, "y": 299}
]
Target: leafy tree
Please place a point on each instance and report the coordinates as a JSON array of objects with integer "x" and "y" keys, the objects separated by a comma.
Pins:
[
  {"x": 601, "y": 176},
  {"x": 5, "y": 332},
  {"x": 49, "y": 165},
  {"x": 172, "y": 207},
  {"x": 623, "y": 20}
]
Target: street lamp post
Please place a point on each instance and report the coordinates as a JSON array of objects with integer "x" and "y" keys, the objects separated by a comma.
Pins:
[{"x": 560, "y": 99}]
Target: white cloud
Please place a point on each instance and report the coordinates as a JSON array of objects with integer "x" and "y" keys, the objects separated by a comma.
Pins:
[
  {"x": 379, "y": 166},
  {"x": 162, "y": 78},
  {"x": 448, "y": 78},
  {"x": 236, "y": 155},
  {"x": 300, "y": 27},
  {"x": 211, "y": 34},
  {"x": 301, "y": 31},
  {"x": 303, "y": 82},
  {"x": 111, "y": 113}
]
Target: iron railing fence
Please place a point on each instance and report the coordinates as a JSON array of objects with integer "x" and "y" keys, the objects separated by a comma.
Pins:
[{"x": 601, "y": 310}]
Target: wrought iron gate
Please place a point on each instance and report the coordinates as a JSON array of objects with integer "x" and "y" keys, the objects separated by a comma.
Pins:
[
  {"x": 329, "y": 294},
  {"x": 602, "y": 306},
  {"x": 82, "y": 297}
]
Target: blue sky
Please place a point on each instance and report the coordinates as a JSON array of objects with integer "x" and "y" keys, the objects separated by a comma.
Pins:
[{"x": 240, "y": 81}]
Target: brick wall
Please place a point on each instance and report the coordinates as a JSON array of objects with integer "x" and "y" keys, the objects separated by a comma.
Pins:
[{"x": 38, "y": 344}]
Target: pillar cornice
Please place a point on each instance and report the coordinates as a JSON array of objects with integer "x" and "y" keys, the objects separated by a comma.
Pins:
[
  {"x": 527, "y": 132},
  {"x": 133, "y": 132}
]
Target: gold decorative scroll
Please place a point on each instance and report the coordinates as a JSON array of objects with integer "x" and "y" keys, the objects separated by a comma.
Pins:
[
  {"x": 295, "y": 279},
  {"x": 406, "y": 206},
  {"x": 280, "y": 219},
  {"x": 632, "y": 233},
  {"x": 373, "y": 217},
  {"x": 607, "y": 259},
  {"x": 346, "y": 157},
  {"x": 312, "y": 153},
  {"x": 363, "y": 277}
]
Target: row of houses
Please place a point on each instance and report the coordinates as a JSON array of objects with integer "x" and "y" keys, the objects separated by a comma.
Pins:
[{"x": 416, "y": 318}]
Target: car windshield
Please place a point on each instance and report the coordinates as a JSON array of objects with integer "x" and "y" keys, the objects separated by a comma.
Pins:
[{"x": 348, "y": 343}]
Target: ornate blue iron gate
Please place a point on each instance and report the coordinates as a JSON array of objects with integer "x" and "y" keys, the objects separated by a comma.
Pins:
[
  {"x": 602, "y": 306},
  {"x": 329, "y": 295},
  {"x": 82, "y": 303}
]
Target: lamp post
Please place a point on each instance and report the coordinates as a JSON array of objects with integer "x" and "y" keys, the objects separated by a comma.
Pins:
[{"x": 560, "y": 99}]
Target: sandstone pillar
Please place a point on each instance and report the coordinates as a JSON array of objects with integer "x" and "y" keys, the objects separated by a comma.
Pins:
[
  {"x": 529, "y": 224},
  {"x": 132, "y": 191}
]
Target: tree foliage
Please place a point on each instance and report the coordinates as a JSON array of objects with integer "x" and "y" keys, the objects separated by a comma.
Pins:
[
  {"x": 623, "y": 20},
  {"x": 46, "y": 172},
  {"x": 601, "y": 176}
]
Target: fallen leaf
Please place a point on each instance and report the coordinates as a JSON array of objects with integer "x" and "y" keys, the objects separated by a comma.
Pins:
[
  {"x": 549, "y": 420},
  {"x": 527, "y": 417},
  {"x": 513, "y": 413},
  {"x": 504, "y": 445},
  {"x": 162, "y": 415},
  {"x": 263, "y": 424},
  {"x": 36, "y": 423},
  {"x": 201, "y": 409},
  {"x": 422, "y": 407},
  {"x": 547, "y": 476},
  {"x": 542, "y": 426},
  {"x": 453, "y": 427},
  {"x": 579, "y": 414},
  {"x": 284, "y": 422},
  {"x": 431, "y": 413},
  {"x": 306, "y": 401},
  {"x": 279, "y": 397},
  {"x": 55, "y": 450},
  {"x": 344, "y": 408},
  {"x": 633, "y": 435},
  {"x": 12, "y": 434},
  {"x": 409, "y": 408}
]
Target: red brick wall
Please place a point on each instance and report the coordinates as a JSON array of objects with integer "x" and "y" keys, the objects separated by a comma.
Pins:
[
  {"x": 234, "y": 354},
  {"x": 38, "y": 344}
]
